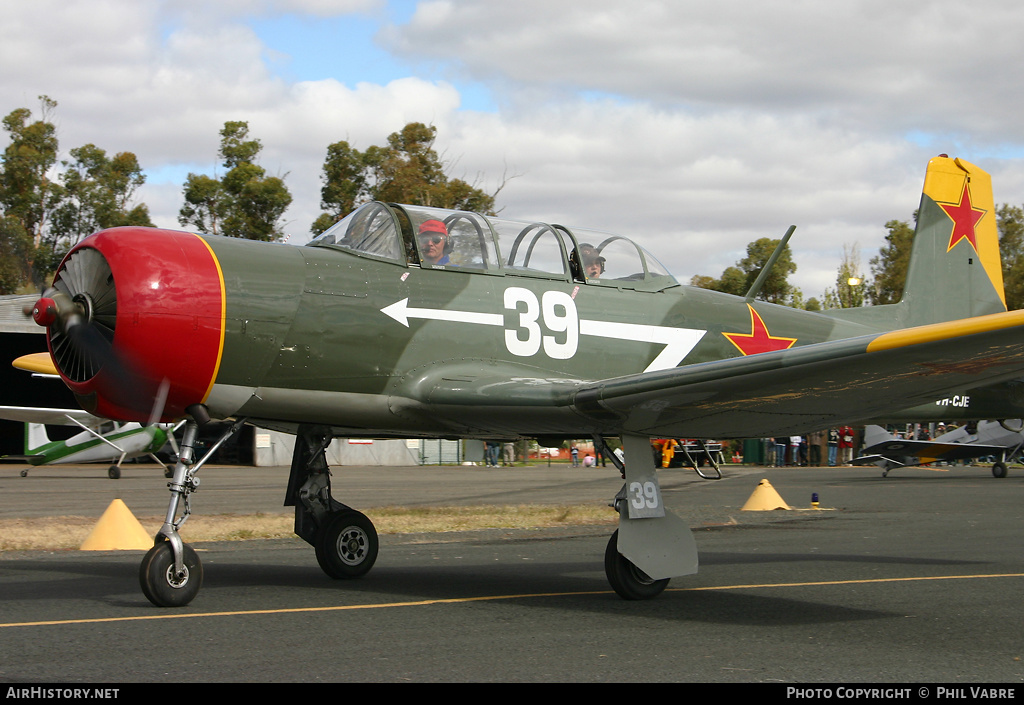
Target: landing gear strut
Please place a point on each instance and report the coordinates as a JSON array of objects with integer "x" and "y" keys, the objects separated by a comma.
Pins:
[
  {"x": 345, "y": 540},
  {"x": 171, "y": 573},
  {"x": 651, "y": 544}
]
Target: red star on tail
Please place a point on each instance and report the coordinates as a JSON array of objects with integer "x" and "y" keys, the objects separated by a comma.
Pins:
[
  {"x": 759, "y": 340},
  {"x": 965, "y": 217}
]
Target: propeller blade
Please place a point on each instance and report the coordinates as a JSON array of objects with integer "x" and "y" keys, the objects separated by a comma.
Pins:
[{"x": 159, "y": 400}]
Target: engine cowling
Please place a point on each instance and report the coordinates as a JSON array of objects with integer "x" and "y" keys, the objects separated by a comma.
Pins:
[{"x": 131, "y": 309}]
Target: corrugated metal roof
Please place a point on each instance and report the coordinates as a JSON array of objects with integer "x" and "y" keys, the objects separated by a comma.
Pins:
[{"x": 12, "y": 315}]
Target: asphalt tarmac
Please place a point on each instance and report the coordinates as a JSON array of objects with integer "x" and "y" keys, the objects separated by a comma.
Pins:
[{"x": 911, "y": 579}]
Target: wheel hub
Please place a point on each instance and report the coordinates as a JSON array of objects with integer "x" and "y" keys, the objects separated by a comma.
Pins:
[
  {"x": 175, "y": 580},
  {"x": 352, "y": 545}
]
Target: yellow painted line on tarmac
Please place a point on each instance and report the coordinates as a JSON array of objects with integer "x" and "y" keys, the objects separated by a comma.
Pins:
[
  {"x": 485, "y": 598},
  {"x": 848, "y": 582},
  {"x": 290, "y": 610}
]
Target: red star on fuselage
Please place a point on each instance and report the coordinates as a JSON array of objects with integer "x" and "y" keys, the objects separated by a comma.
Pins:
[
  {"x": 759, "y": 340},
  {"x": 965, "y": 217}
]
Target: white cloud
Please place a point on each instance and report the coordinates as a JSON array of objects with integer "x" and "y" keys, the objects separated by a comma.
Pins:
[
  {"x": 870, "y": 63},
  {"x": 695, "y": 127}
]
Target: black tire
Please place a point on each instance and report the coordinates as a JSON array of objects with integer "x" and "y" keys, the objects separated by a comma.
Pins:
[
  {"x": 347, "y": 545},
  {"x": 114, "y": 472},
  {"x": 999, "y": 470},
  {"x": 158, "y": 583},
  {"x": 626, "y": 579}
]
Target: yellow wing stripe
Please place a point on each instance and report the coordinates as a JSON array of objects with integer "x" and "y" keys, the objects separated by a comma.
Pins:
[{"x": 944, "y": 331}]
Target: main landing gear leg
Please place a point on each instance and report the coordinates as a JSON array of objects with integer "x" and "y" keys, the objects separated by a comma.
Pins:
[
  {"x": 345, "y": 540},
  {"x": 114, "y": 471},
  {"x": 999, "y": 467},
  {"x": 651, "y": 544},
  {"x": 171, "y": 574}
]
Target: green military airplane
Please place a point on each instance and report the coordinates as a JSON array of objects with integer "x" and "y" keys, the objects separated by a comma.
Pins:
[{"x": 403, "y": 321}]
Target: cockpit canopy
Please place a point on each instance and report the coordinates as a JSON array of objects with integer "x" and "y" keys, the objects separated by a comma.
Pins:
[{"x": 444, "y": 239}]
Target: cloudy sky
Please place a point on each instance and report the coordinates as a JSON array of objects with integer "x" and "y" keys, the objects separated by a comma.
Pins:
[{"x": 694, "y": 127}]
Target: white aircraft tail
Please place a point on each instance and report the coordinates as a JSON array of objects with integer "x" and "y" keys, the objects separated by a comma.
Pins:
[
  {"x": 874, "y": 435},
  {"x": 35, "y": 437}
]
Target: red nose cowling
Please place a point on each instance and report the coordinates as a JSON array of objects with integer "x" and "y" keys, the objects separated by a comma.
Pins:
[{"x": 169, "y": 321}]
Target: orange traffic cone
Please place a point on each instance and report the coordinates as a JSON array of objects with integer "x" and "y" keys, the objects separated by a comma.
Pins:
[
  {"x": 764, "y": 498},
  {"x": 117, "y": 529}
]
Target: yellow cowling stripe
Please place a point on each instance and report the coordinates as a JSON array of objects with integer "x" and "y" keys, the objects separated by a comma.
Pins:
[
  {"x": 223, "y": 316},
  {"x": 944, "y": 184}
]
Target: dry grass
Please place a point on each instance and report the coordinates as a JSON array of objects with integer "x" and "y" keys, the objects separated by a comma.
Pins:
[{"x": 62, "y": 533}]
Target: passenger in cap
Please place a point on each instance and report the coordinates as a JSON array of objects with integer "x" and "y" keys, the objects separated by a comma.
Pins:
[
  {"x": 593, "y": 262},
  {"x": 434, "y": 243}
]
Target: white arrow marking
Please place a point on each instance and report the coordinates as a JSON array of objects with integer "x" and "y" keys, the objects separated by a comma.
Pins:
[
  {"x": 402, "y": 312},
  {"x": 678, "y": 342}
]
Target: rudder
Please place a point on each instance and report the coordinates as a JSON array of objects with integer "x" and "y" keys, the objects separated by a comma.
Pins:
[
  {"x": 955, "y": 270},
  {"x": 35, "y": 437}
]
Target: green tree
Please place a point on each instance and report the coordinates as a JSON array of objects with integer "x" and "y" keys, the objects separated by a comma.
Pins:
[
  {"x": 737, "y": 280},
  {"x": 1010, "y": 222},
  {"x": 850, "y": 282},
  {"x": 345, "y": 184},
  {"x": 246, "y": 202},
  {"x": 408, "y": 170},
  {"x": 15, "y": 254},
  {"x": 776, "y": 287},
  {"x": 205, "y": 205},
  {"x": 98, "y": 193},
  {"x": 92, "y": 192},
  {"x": 26, "y": 192},
  {"x": 889, "y": 266}
]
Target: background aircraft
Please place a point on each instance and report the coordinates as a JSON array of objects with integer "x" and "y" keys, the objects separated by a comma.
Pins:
[
  {"x": 1002, "y": 439},
  {"x": 101, "y": 440},
  {"x": 1004, "y": 400},
  {"x": 403, "y": 321}
]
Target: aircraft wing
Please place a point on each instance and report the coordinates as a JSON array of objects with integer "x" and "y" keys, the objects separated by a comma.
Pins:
[
  {"x": 876, "y": 459},
  {"x": 53, "y": 417},
  {"x": 814, "y": 386},
  {"x": 925, "y": 451}
]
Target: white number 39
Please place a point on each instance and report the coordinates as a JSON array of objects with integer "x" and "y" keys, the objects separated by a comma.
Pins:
[
  {"x": 643, "y": 495},
  {"x": 556, "y": 310}
]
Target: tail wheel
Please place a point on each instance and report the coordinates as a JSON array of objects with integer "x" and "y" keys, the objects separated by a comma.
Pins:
[
  {"x": 626, "y": 579},
  {"x": 161, "y": 584},
  {"x": 346, "y": 545}
]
